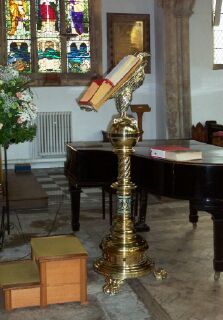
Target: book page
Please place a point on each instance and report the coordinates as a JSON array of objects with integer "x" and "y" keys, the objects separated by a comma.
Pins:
[{"x": 122, "y": 68}]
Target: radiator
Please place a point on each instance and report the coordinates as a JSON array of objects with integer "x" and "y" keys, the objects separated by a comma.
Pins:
[{"x": 53, "y": 132}]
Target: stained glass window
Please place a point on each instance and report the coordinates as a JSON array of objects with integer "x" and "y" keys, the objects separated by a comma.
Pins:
[
  {"x": 218, "y": 33},
  {"x": 78, "y": 45},
  {"x": 48, "y": 35},
  {"x": 18, "y": 33},
  {"x": 51, "y": 36}
]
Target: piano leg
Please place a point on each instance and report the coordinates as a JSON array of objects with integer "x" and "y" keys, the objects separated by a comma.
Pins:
[
  {"x": 193, "y": 216},
  {"x": 75, "y": 192},
  {"x": 218, "y": 242},
  {"x": 215, "y": 208}
]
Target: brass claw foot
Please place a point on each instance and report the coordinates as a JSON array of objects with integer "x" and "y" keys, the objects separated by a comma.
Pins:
[
  {"x": 112, "y": 286},
  {"x": 217, "y": 275},
  {"x": 160, "y": 274}
]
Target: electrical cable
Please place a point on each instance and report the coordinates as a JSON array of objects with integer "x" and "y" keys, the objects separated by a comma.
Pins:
[
  {"x": 21, "y": 232},
  {"x": 56, "y": 215}
]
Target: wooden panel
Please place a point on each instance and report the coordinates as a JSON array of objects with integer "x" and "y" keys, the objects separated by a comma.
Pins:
[
  {"x": 2, "y": 300},
  {"x": 63, "y": 271},
  {"x": 199, "y": 132},
  {"x": 22, "y": 298},
  {"x": 127, "y": 34},
  {"x": 83, "y": 281},
  {"x": 217, "y": 141},
  {"x": 63, "y": 293},
  {"x": 43, "y": 294},
  {"x": 8, "y": 300}
]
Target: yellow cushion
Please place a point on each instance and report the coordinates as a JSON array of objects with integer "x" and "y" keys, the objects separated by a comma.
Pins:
[
  {"x": 63, "y": 245},
  {"x": 18, "y": 273}
]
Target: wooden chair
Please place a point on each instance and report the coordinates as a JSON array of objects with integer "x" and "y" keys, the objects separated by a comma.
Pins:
[
  {"x": 217, "y": 138},
  {"x": 199, "y": 132}
]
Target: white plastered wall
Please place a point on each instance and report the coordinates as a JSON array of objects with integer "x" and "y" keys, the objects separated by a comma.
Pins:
[{"x": 87, "y": 126}]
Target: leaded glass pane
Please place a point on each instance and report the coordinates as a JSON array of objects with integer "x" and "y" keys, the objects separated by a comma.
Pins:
[
  {"x": 18, "y": 19},
  {"x": 49, "y": 54},
  {"x": 77, "y": 17},
  {"x": 78, "y": 56},
  {"x": 218, "y": 54},
  {"x": 48, "y": 17},
  {"x": 19, "y": 51},
  {"x": 48, "y": 36},
  {"x": 18, "y": 33},
  {"x": 218, "y": 43},
  {"x": 78, "y": 46},
  {"x": 218, "y": 38}
]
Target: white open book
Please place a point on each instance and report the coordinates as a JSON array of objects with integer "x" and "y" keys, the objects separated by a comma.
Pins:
[{"x": 101, "y": 90}]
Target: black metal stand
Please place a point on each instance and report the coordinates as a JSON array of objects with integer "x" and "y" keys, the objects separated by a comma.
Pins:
[
  {"x": 5, "y": 226},
  {"x": 2, "y": 230}
]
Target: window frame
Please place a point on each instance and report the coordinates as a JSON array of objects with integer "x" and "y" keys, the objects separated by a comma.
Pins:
[
  {"x": 63, "y": 78},
  {"x": 216, "y": 10}
]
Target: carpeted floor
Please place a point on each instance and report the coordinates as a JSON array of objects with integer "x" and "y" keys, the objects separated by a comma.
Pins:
[{"x": 189, "y": 292}]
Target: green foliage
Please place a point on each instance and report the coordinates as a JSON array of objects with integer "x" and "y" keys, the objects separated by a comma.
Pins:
[{"x": 17, "y": 111}]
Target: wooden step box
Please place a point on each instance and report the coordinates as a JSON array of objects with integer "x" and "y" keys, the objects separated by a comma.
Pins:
[
  {"x": 63, "y": 272},
  {"x": 20, "y": 284}
]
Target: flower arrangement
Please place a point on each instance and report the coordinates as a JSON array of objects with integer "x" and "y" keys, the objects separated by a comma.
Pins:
[{"x": 17, "y": 110}]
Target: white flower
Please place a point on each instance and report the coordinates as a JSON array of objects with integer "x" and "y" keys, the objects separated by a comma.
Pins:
[
  {"x": 25, "y": 95},
  {"x": 17, "y": 109},
  {"x": 19, "y": 120},
  {"x": 8, "y": 73},
  {"x": 24, "y": 117}
]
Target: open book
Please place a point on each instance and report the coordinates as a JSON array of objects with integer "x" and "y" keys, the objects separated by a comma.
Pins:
[{"x": 101, "y": 90}]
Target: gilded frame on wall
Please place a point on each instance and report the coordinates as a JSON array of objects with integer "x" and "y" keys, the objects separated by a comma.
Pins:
[{"x": 127, "y": 34}]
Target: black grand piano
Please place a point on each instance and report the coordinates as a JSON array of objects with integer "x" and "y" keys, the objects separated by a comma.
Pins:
[{"x": 200, "y": 182}]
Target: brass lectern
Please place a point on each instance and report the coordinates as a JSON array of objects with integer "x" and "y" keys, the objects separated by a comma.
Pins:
[{"x": 124, "y": 253}]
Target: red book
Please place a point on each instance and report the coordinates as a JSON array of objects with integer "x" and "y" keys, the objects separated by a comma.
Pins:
[
  {"x": 177, "y": 153},
  {"x": 91, "y": 90}
]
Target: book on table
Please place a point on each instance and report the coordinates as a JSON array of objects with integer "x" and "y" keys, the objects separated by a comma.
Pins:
[
  {"x": 100, "y": 90},
  {"x": 177, "y": 153}
]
